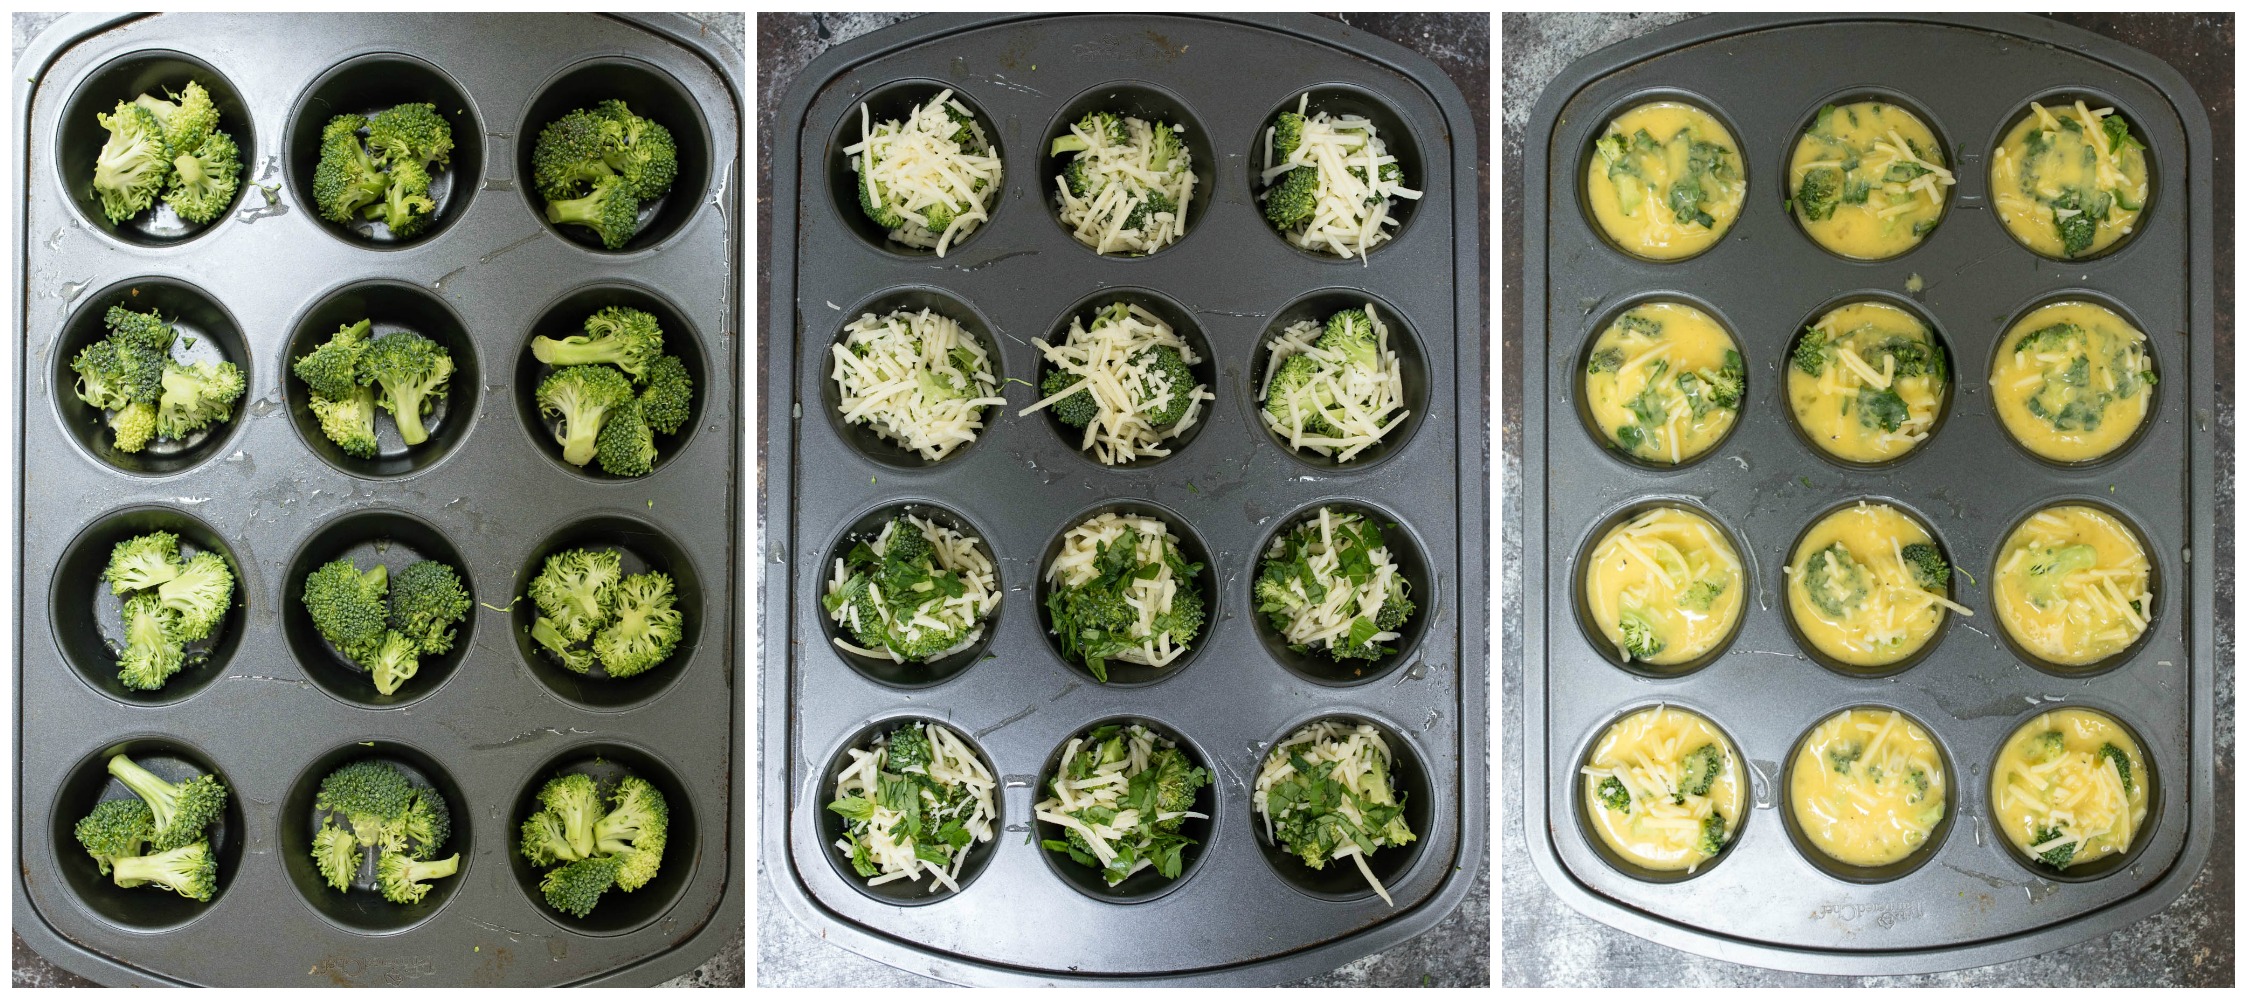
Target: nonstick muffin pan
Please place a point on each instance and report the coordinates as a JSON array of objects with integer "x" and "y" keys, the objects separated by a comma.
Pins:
[
  {"x": 1228, "y": 284},
  {"x": 273, "y": 710},
  {"x": 1766, "y": 900}
]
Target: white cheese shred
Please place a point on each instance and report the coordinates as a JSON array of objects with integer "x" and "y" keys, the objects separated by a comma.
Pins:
[{"x": 916, "y": 378}]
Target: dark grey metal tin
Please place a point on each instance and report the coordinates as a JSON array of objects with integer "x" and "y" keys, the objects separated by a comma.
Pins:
[
  {"x": 1020, "y": 923},
  {"x": 491, "y": 726},
  {"x": 1973, "y": 903}
]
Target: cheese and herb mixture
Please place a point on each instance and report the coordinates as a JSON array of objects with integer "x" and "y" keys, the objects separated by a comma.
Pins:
[
  {"x": 1120, "y": 797},
  {"x": 913, "y": 803},
  {"x": 1868, "y": 180},
  {"x": 1868, "y": 787},
  {"x": 1333, "y": 391},
  {"x": 1120, "y": 589},
  {"x": 1665, "y": 182},
  {"x": 1127, "y": 185},
  {"x": 2069, "y": 181},
  {"x": 1329, "y": 585},
  {"x": 2072, "y": 381},
  {"x": 2069, "y": 787},
  {"x": 1868, "y": 585},
  {"x": 2074, "y": 586},
  {"x": 1329, "y": 182},
  {"x": 1664, "y": 382},
  {"x": 1663, "y": 789},
  {"x": 916, "y": 592},
  {"x": 1866, "y": 382},
  {"x": 916, "y": 378},
  {"x": 1325, "y": 793},
  {"x": 1127, "y": 380},
  {"x": 1665, "y": 587},
  {"x": 931, "y": 179}
]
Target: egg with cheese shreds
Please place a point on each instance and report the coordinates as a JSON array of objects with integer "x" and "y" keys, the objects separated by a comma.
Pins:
[
  {"x": 1665, "y": 181},
  {"x": 1663, "y": 789},
  {"x": 1868, "y": 586},
  {"x": 2072, "y": 381},
  {"x": 1868, "y": 787},
  {"x": 1867, "y": 382},
  {"x": 1867, "y": 180},
  {"x": 2074, "y": 585},
  {"x": 2070, "y": 787},
  {"x": 2069, "y": 180},
  {"x": 1664, "y": 382},
  {"x": 1665, "y": 586}
]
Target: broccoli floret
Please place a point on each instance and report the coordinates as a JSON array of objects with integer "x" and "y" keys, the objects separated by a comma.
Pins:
[
  {"x": 1168, "y": 367},
  {"x": 187, "y": 869},
  {"x": 1169, "y": 147},
  {"x": 331, "y": 370},
  {"x": 1613, "y": 795},
  {"x": 1176, "y": 780},
  {"x": 1713, "y": 834},
  {"x": 197, "y": 396},
  {"x": 543, "y": 841},
  {"x": 1841, "y": 758},
  {"x": 883, "y": 214},
  {"x": 403, "y": 879},
  {"x": 394, "y": 661},
  {"x": 101, "y": 376},
  {"x": 411, "y": 133},
  {"x": 1928, "y": 567},
  {"x": 204, "y": 181},
  {"x": 1294, "y": 199},
  {"x": 1293, "y": 392},
  {"x": 576, "y": 591},
  {"x": 1882, "y": 408},
  {"x": 1183, "y": 619},
  {"x": 335, "y": 852},
  {"x": 1081, "y": 180},
  {"x": 2108, "y": 751},
  {"x": 1833, "y": 580},
  {"x": 571, "y": 153},
  {"x": 640, "y": 150},
  {"x": 1349, "y": 333},
  {"x": 1287, "y": 135},
  {"x": 1810, "y": 352},
  {"x": 635, "y": 831},
  {"x": 348, "y": 421},
  {"x": 2059, "y": 857},
  {"x": 609, "y": 210},
  {"x": 1151, "y": 203},
  {"x": 1702, "y": 767},
  {"x": 143, "y": 561},
  {"x": 1639, "y": 641},
  {"x": 188, "y": 119},
  {"x": 1818, "y": 194},
  {"x": 582, "y": 396},
  {"x": 2045, "y": 746},
  {"x": 117, "y": 828},
  {"x": 133, "y": 164},
  {"x": 143, "y": 341},
  {"x": 646, "y": 627},
  {"x": 1702, "y": 594},
  {"x": 1727, "y": 382},
  {"x": 575, "y": 803},
  {"x": 2051, "y": 567},
  {"x": 627, "y": 338},
  {"x": 411, "y": 371},
  {"x": 347, "y": 606},
  {"x": 347, "y": 178},
  {"x": 1917, "y": 780},
  {"x": 406, "y": 206},
  {"x": 179, "y": 811},
  {"x": 626, "y": 444},
  {"x": 1076, "y": 409},
  {"x": 426, "y": 600},
  {"x": 1106, "y": 125},
  {"x": 199, "y": 596},
  {"x": 576, "y": 887},
  {"x": 1606, "y": 359},
  {"x": 428, "y": 824},
  {"x": 372, "y": 796},
  {"x": 153, "y": 648},
  {"x": 668, "y": 398},
  {"x": 133, "y": 427},
  {"x": 1396, "y": 608}
]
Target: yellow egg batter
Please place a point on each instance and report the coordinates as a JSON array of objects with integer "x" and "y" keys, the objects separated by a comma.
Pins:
[
  {"x": 2072, "y": 381},
  {"x": 1663, "y": 789},
  {"x": 2069, "y": 787},
  {"x": 2069, "y": 181},
  {"x": 1664, "y": 382},
  {"x": 1868, "y": 180},
  {"x": 1664, "y": 587},
  {"x": 1868, "y": 787},
  {"x": 1868, "y": 586},
  {"x": 2073, "y": 585},
  {"x": 1866, "y": 382},
  {"x": 1665, "y": 180}
]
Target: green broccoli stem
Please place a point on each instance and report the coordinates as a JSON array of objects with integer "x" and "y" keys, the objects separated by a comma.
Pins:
[{"x": 408, "y": 413}]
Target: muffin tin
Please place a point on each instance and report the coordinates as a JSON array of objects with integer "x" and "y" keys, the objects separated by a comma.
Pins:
[
  {"x": 1767, "y": 900},
  {"x": 273, "y": 710},
  {"x": 1230, "y": 283}
]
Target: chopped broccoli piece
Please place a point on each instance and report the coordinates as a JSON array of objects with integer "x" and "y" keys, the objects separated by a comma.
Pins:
[
  {"x": 645, "y": 629},
  {"x": 426, "y": 600},
  {"x": 668, "y": 398},
  {"x": 199, "y": 596},
  {"x": 331, "y": 370},
  {"x": 1702, "y": 767},
  {"x": 188, "y": 870},
  {"x": 2049, "y": 568},
  {"x": 411, "y": 371},
  {"x": 1811, "y": 353},
  {"x": 1928, "y": 567},
  {"x": 188, "y": 119},
  {"x": 1714, "y": 834},
  {"x": 348, "y": 607},
  {"x": 143, "y": 561},
  {"x": 575, "y": 888},
  {"x": 1833, "y": 580},
  {"x": 626, "y": 444},
  {"x": 576, "y": 591},
  {"x": 609, "y": 210},
  {"x": 204, "y": 180},
  {"x": 117, "y": 828},
  {"x": 404, "y": 879},
  {"x": 335, "y": 852},
  {"x": 627, "y": 338},
  {"x": 196, "y": 396},
  {"x": 179, "y": 810},
  {"x": 583, "y": 396},
  {"x": 2108, "y": 751},
  {"x": 347, "y": 178},
  {"x": 133, "y": 164},
  {"x": 1614, "y": 796},
  {"x": 348, "y": 421},
  {"x": 1639, "y": 641}
]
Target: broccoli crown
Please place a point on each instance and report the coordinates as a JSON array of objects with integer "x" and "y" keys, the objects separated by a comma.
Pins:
[
  {"x": 394, "y": 662},
  {"x": 153, "y": 647},
  {"x": 428, "y": 824},
  {"x": 626, "y": 444},
  {"x": 2108, "y": 751},
  {"x": 1713, "y": 834},
  {"x": 1168, "y": 368},
  {"x": 1349, "y": 333},
  {"x": 1833, "y": 580},
  {"x": 1076, "y": 409},
  {"x": 133, "y": 164},
  {"x": 575, "y": 888},
  {"x": 582, "y": 396},
  {"x": 628, "y": 338},
  {"x": 1928, "y": 567},
  {"x": 404, "y": 879},
  {"x": 187, "y": 119},
  {"x": 410, "y": 371},
  {"x": 372, "y": 796},
  {"x": 348, "y": 421},
  {"x": 335, "y": 852},
  {"x": 1287, "y": 135},
  {"x": 1295, "y": 392},
  {"x": 1292, "y": 201},
  {"x": 413, "y": 133},
  {"x": 1639, "y": 639},
  {"x": 576, "y": 802},
  {"x": 188, "y": 870},
  {"x": 576, "y": 590},
  {"x": 180, "y": 810},
  {"x": 347, "y": 178},
  {"x": 1811, "y": 352},
  {"x": 571, "y": 153},
  {"x": 199, "y": 596},
  {"x": 426, "y": 600},
  {"x": 143, "y": 561},
  {"x": 134, "y": 426},
  {"x": 204, "y": 181},
  {"x": 608, "y": 209},
  {"x": 667, "y": 400},
  {"x": 640, "y": 150},
  {"x": 347, "y": 606},
  {"x": 1702, "y": 767},
  {"x": 646, "y": 627},
  {"x": 332, "y": 369},
  {"x": 117, "y": 828},
  {"x": 197, "y": 396},
  {"x": 1613, "y": 795}
]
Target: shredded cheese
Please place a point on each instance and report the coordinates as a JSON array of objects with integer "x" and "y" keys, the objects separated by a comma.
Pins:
[
  {"x": 942, "y": 188},
  {"x": 1358, "y": 405},
  {"x": 1116, "y": 361},
  {"x": 1119, "y": 178},
  {"x": 962, "y": 795},
  {"x": 1360, "y": 759},
  {"x": 1077, "y": 564},
  {"x": 916, "y": 378},
  {"x": 1350, "y": 213}
]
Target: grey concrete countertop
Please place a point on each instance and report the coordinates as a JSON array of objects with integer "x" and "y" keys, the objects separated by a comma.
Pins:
[
  {"x": 1548, "y": 944},
  {"x": 1456, "y": 952},
  {"x": 29, "y": 969}
]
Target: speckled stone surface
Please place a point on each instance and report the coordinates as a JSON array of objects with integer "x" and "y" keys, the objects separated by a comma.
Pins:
[
  {"x": 1456, "y": 952},
  {"x": 1548, "y": 944},
  {"x": 727, "y": 968}
]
